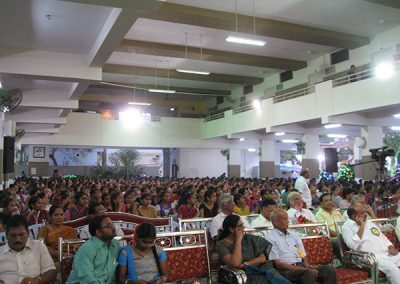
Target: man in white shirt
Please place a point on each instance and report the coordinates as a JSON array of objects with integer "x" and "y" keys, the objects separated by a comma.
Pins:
[
  {"x": 363, "y": 235},
  {"x": 298, "y": 214},
  {"x": 24, "y": 261},
  {"x": 302, "y": 186},
  {"x": 226, "y": 204},
  {"x": 263, "y": 220}
]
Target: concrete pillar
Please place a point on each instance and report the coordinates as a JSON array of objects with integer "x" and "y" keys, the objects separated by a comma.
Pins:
[
  {"x": 310, "y": 157},
  {"x": 374, "y": 138},
  {"x": 267, "y": 159},
  {"x": 234, "y": 163},
  {"x": 167, "y": 162},
  {"x": 358, "y": 156}
]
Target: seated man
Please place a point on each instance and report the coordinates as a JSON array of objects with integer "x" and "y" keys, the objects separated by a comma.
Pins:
[
  {"x": 327, "y": 212},
  {"x": 96, "y": 209},
  {"x": 298, "y": 214},
  {"x": 267, "y": 206},
  {"x": 96, "y": 259},
  {"x": 289, "y": 257},
  {"x": 363, "y": 235},
  {"x": 226, "y": 204},
  {"x": 23, "y": 260}
]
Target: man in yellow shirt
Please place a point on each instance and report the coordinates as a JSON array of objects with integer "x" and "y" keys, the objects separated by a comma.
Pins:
[{"x": 327, "y": 212}]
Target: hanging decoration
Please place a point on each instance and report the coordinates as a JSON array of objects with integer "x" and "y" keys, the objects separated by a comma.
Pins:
[
  {"x": 346, "y": 173},
  {"x": 326, "y": 176}
]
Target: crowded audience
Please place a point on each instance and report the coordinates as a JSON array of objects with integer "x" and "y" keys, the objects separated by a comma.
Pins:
[{"x": 232, "y": 203}]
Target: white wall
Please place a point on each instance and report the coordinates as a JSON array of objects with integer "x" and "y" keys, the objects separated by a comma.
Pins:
[
  {"x": 201, "y": 163},
  {"x": 250, "y": 164}
]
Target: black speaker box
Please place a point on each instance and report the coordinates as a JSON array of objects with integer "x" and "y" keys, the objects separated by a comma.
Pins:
[
  {"x": 8, "y": 154},
  {"x": 331, "y": 160}
]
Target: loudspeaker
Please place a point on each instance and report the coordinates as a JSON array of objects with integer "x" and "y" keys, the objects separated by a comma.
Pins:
[
  {"x": 8, "y": 154},
  {"x": 331, "y": 160}
]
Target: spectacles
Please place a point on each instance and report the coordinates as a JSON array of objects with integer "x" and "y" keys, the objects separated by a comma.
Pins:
[{"x": 109, "y": 226}]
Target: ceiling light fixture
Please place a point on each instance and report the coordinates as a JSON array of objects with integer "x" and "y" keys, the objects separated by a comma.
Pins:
[
  {"x": 193, "y": 72},
  {"x": 243, "y": 40},
  {"x": 292, "y": 141},
  {"x": 395, "y": 128},
  {"x": 134, "y": 102},
  {"x": 280, "y": 133},
  {"x": 157, "y": 90},
  {"x": 334, "y": 125},
  {"x": 252, "y": 150},
  {"x": 139, "y": 104},
  {"x": 336, "y": 135},
  {"x": 189, "y": 71},
  {"x": 397, "y": 115},
  {"x": 241, "y": 139},
  {"x": 257, "y": 104}
]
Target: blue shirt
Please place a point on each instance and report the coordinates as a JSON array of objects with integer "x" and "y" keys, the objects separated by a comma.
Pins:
[
  {"x": 95, "y": 262},
  {"x": 288, "y": 247}
]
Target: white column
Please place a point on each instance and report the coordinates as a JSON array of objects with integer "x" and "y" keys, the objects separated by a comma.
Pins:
[
  {"x": 310, "y": 158},
  {"x": 267, "y": 159},
  {"x": 234, "y": 163}
]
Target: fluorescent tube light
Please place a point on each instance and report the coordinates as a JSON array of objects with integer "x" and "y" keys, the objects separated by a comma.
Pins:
[
  {"x": 397, "y": 115},
  {"x": 334, "y": 125},
  {"x": 242, "y": 40},
  {"x": 395, "y": 128},
  {"x": 336, "y": 135},
  {"x": 139, "y": 104},
  {"x": 241, "y": 139},
  {"x": 290, "y": 141},
  {"x": 162, "y": 91},
  {"x": 252, "y": 150},
  {"x": 193, "y": 72},
  {"x": 280, "y": 133}
]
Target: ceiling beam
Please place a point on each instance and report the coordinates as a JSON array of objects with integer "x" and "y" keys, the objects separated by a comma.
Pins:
[
  {"x": 197, "y": 91},
  {"x": 163, "y": 73},
  {"x": 389, "y": 3},
  {"x": 201, "y": 17},
  {"x": 178, "y": 51}
]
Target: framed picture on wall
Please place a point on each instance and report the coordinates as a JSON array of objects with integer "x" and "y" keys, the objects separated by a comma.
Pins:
[{"x": 39, "y": 152}]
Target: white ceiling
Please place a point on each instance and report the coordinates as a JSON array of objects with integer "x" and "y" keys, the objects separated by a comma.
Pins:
[{"x": 87, "y": 31}]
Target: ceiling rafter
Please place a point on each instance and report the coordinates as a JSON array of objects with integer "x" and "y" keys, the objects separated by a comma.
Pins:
[
  {"x": 163, "y": 73},
  {"x": 201, "y": 17},
  {"x": 212, "y": 55}
]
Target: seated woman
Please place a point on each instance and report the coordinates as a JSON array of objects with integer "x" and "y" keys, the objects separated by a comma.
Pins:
[
  {"x": 80, "y": 208},
  {"x": 209, "y": 208},
  {"x": 36, "y": 214},
  {"x": 117, "y": 202},
  {"x": 247, "y": 252},
  {"x": 146, "y": 209},
  {"x": 142, "y": 262},
  {"x": 186, "y": 206},
  {"x": 241, "y": 208},
  {"x": 165, "y": 208},
  {"x": 51, "y": 232}
]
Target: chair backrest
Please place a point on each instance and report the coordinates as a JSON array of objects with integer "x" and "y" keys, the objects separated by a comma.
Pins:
[
  {"x": 187, "y": 254},
  {"x": 127, "y": 221},
  {"x": 34, "y": 230},
  {"x": 3, "y": 238},
  {"x": 318, "y": 249},
  {"x": 341, "y": 244},
  {"x": 194, "y": 224},
  {"x": 66, "y": 252}
]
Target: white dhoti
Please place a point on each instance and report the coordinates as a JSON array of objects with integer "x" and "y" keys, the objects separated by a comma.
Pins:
[{"x": 390, "y": 266}]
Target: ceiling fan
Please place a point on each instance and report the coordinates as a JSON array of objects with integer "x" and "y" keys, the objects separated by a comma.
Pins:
[{"x": 10, "y": 99}]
